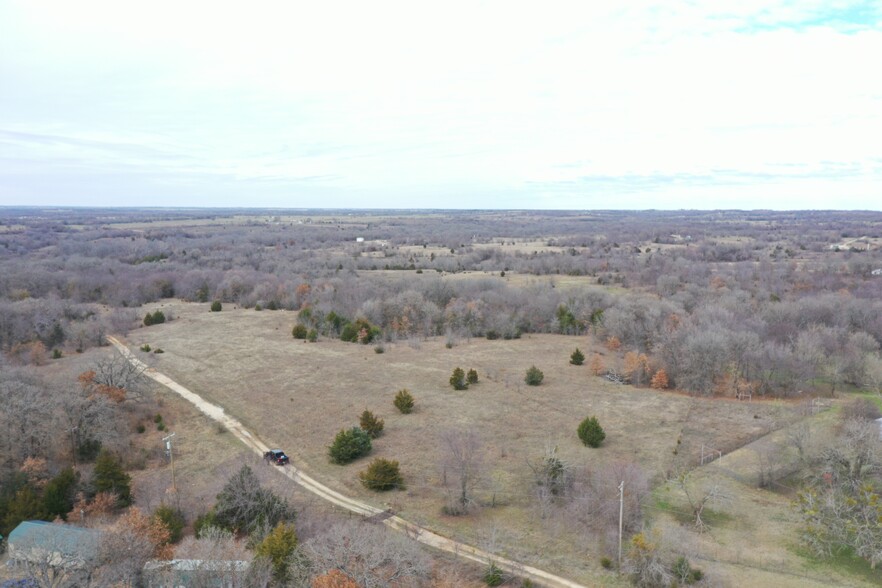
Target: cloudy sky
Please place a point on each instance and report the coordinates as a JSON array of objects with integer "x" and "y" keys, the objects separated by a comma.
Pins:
[{"x": 635, "y": 104}]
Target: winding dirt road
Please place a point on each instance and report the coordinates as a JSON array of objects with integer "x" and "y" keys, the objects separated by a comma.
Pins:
[{"x": 411, "y": 530}]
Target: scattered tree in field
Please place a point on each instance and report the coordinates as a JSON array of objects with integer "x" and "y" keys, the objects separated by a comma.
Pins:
[
  {"x": 553, "y": 479},
  {"x": 277, "y": 547},
  {"x": 591, "y": 433},
  {"x": 216, "y": 306},
  {"x": 457, "y": 380},
  {"x": 697, "y": 497},
  {"x": 577, "y": 357},
  {"x": 243, "y": 505},
  {"x": 109, "y": 476},
  {"x": 534, "y": 376},
  {"x": 158, "y": 317},
  {"x": 381, "y": 475},
  {"x": 404, "y": 401},
  {"x": 370, "y": 424},
  {"x": 659, "y": 380},
  {"x": 349, "y": 445},
  {"x": 299, "y": 331},
  {"x": 462, "y": 468},
  {"x": 597, "y": 367},
  {"x": 472, "y": 376},
  {"x": 312, "y": 336}
]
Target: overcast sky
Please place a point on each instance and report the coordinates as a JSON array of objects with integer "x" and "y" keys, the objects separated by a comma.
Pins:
[{"x": 632, "y": 104}]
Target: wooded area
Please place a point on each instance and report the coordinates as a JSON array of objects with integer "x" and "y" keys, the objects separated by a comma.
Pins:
[{"x": 725, "y": 304}]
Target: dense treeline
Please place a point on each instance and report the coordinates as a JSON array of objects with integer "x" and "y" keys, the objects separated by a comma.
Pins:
[{"x": 779, "y": 301}]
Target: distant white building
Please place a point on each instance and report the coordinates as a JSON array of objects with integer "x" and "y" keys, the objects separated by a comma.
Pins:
[
  {"x": 877, "y": 272},
  {"x": 359, "y": 239}
]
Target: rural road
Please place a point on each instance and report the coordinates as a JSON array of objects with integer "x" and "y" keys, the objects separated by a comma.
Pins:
[{"x": 411, "y": 530}]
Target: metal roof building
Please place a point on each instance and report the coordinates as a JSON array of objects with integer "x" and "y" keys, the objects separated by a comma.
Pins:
[{"x": 53, "y": 544}]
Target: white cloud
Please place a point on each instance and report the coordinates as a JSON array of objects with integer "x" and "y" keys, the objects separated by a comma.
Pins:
[{"x": 470, "y": 104}]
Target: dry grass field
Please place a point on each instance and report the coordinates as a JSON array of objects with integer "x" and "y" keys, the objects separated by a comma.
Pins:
[{"x": 297, "y": 395}]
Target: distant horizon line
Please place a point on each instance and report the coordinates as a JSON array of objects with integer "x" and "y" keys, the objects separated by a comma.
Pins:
[{"x": 406, "y": 209}]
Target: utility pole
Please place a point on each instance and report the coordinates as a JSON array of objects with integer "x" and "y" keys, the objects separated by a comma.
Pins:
[
  {"x": 621, "y": 512},
  {"x": 73, "y": 443},
  {"x": 171, "y": 455}
]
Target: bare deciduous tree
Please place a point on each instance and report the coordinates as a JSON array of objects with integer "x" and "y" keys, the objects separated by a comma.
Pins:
[
  {"x": 369, "y": 554},
  {"x": 116, "y": 371},
  {"x": 698, "y": 497},
  {"x": 462, "y": 467}
]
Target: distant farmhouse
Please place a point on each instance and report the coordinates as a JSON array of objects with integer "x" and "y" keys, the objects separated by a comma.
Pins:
[{"x": 859, "y": 244}]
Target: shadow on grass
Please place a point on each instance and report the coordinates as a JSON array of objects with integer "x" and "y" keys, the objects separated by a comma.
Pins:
[
  {"x": 846, "y": 562},
  {"x": 682, "y": 514}
]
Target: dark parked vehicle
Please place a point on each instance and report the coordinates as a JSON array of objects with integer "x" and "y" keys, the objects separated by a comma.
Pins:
[{"x": 276, "y": 456}]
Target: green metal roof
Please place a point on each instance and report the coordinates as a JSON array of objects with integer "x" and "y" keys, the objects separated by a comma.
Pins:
[{"x": 67, "y": 539}]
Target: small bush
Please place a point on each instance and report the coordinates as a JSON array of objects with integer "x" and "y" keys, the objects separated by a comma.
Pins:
[
  {"x": 205, "y": 521},
  {"x": 349, "y": 445},
  {"x": 684, "y": 572},
  {"x": 659, "y": 380},
  {"x": 404, "y": 401},
  {"x": 370, "y": 424},
  {"x": 173, "y": 519},
  {"x": 457, "y": 380},
  {"x": 140, "y": 428},
  {"x": 157, "y": 418},
  {"x": 382, "y": 475},
  {"x": 312, "y": 337},
  {"x": 56, "y": 354},
  {"x": 534, "y": 376},
  {"x": 158, "y": 350},
  {"x": 472, "y": 377},
  {"x": 299, "y": 331},
  {"x": 577, "y": 357},
  {"x": 216, "y": 306},
  {"x": 591, "y": 433},
  {"x": 493, "y": 575},
  {"x": 160, "y": 427},
  {"x": 606, "y": 563},
  {"x": 258, "y": 307},
  {"x": 157, "y": 317},
  {"x": 378, "y": 348},
  {"x": 145, "y": 348}
]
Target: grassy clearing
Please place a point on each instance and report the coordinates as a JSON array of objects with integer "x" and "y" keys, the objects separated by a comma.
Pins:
[{"x": 297, "y": 395}]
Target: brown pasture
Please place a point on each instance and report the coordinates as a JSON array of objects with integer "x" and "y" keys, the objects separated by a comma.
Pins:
[{"x": 297, "y": 395}]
